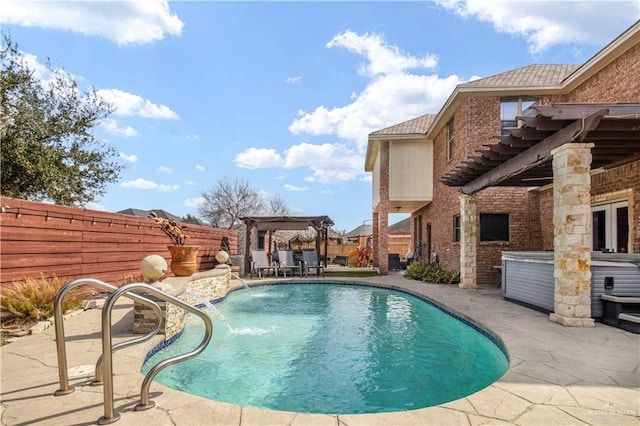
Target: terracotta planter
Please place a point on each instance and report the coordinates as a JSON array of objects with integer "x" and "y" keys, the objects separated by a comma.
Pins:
[{"x": 184, "y": 260}]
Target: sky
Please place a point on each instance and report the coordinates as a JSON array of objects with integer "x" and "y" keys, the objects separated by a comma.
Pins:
[{"x": 283, "y": 95}]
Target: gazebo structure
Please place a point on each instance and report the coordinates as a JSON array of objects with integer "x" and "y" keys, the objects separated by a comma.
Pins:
[{"x": 286, "y": 223}]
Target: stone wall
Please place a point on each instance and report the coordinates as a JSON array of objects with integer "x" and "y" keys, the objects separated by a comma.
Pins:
[{"x": 211, "y": 285}]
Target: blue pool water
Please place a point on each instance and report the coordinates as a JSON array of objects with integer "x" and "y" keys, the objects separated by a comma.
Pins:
[{"x": 331, "y": 348}]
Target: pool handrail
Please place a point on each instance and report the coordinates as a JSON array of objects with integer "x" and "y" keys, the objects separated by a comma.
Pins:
[
  {"x": 61, "y": 347},
  {"x": 109, "y": 415}
]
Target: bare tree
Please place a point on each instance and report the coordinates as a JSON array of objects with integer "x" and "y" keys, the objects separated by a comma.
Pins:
[
  {"x": 189, "y": 218},
  {"x": 275, "y": 206},
  {"x": 228, "y": 201}
]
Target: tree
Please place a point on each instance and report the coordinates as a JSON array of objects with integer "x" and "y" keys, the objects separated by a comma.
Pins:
[
  {"x": 189, "y": 218},
  {"x": 228, "y": 201},
  {"x": 47, "y": 149},
  {"x": 275, "y": 206}
]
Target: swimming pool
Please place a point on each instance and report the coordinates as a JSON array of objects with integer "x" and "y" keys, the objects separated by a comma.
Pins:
[{"x": 333, "y": 348}]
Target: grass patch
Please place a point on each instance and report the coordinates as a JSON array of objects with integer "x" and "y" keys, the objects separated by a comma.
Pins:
[{"x": 348, "y": 272}]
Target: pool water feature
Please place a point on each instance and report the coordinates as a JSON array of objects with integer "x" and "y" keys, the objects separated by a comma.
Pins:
[{"x": 334, "y": 349}]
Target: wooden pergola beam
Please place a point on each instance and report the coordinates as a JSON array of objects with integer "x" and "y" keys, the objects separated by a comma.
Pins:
[{"x": 540, "y": 152}]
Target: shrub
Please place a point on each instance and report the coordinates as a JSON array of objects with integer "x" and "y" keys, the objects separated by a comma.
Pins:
[
  {"x": 424, "y": 271},
  {"x": 33, "y": 298}
]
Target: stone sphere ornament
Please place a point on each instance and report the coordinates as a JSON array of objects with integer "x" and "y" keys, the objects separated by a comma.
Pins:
[
  {"x": 222, "y": 257},
  {"x": 153, "y": 267}
]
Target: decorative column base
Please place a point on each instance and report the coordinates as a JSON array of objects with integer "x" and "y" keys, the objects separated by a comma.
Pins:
[{"x": 571, "y": 321}]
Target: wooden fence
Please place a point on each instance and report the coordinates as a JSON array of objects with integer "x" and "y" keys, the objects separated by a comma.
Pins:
[{"x": 38, "y": 239}]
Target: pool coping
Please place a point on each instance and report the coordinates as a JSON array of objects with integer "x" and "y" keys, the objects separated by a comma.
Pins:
[{"x": 557, "y": 374}]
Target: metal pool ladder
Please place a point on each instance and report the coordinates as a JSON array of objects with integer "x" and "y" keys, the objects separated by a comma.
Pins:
[{"x": 104, "y": 365}]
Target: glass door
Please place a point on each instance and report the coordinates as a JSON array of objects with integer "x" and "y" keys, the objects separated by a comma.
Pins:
[{"x": 610, "y": 231}]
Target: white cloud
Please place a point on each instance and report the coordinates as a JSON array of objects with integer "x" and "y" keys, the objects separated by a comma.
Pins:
[
  {"x": 382, "y": 58},
  {"x": 193, "y": 202},
  {"x": 293, "y": 80},
  {"x": 393, "y": 94},
  {"x": 130, "y": 158},
  {"x": 387, "y": 100},
  {"x": 258, "y": 158},
  {"x": 111, "y": 126},
  {"x": 168, "y": 188},
  {"x": 123, "y": 22},
  {"x": 128, "y": 104},
  {"x": 290, "y": 187},
  {"x": 547, "y": 23},
  {"x": 327, "y": 191},
  {"x": 328, "y": 162},
  {"x": 164, "y": 169},
  {"x": 147, "y": 184},
  {"x": 201, "y": 168},
  {"x": 139, "y": 184},
  {"x": 191, "y": 183}
]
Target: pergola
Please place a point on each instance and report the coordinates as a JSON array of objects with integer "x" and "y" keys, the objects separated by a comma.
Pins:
[
  {"x": 522, "y": 157},
  {"x": 287, "y": 223}
]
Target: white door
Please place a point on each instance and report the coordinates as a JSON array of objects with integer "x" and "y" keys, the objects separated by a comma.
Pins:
[{"x": 611, "y": 227}]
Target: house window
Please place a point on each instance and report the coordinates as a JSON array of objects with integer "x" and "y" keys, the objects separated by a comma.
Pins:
[
  {"x": 610, "y": 223},
  {"x": 456, "y": 228},
  {"x": 511, "y": 108},
  {"x": 494, "y": 227},
  {"x": 450, "y": 140}
]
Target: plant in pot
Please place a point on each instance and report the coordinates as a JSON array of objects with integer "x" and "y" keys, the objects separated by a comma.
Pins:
[{"x": 184, "y": 258}]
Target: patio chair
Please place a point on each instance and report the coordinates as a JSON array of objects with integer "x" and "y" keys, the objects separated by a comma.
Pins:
[
  {"x": 310, "y": 259},
  {"x": 287, "y": 263},
  {"x": 394, "y": 261},
  {"x": 260, "y": 263}
]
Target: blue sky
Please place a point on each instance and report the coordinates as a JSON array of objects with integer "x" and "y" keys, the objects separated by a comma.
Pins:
[{"x": 284, "y": 94}]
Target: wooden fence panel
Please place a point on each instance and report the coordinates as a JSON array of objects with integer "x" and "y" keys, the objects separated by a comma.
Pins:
[{"x": 39, "y": 239}]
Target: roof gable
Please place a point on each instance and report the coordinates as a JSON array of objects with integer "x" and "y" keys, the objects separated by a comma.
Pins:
[{"x": 418, "y": 125}]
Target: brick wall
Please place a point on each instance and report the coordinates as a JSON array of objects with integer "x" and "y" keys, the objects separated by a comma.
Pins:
[
  {"x": 617, "y": 82},
  {"x": 476, "y": 122}
]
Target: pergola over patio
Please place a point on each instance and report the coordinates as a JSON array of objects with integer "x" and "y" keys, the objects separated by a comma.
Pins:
[
  {"x": 523, "y": 156},
  {"x": 287, "y": 223},
  {"x": 560, "y": 144}
]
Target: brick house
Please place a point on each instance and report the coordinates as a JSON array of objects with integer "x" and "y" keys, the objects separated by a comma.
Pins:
[{"x": 478, "y": 177}]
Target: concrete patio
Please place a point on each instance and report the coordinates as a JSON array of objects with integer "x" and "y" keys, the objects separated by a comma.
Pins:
[{"x": 557, "y": 375}]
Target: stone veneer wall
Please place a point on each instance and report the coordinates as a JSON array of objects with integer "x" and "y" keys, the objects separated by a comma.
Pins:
[{"x": 211, "y": 285}]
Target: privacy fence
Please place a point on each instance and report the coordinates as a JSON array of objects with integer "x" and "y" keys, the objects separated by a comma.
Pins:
[{"x": 38, "y": 239}]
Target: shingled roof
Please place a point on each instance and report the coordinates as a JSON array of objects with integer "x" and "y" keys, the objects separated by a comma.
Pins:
[
  {"x": 531, "y": 75},
  {"x": 415, "y": 126}
]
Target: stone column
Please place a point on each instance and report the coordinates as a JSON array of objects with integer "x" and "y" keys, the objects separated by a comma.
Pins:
[
  {"x": 572, "y": 235},
  {"x": 383, "y": 211},
  {"x": 375, "y": 228},
  {"x": 468, "y": 242}
]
